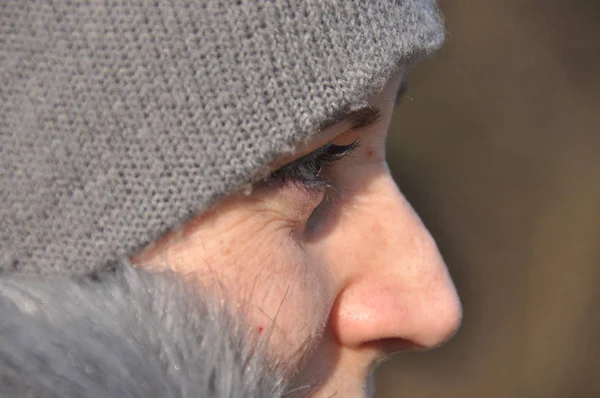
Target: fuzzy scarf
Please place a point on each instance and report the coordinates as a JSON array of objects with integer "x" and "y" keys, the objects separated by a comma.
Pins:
[{"x": 126, "y": 334}]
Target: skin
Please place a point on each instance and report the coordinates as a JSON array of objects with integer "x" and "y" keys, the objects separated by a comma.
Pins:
[{"x": 338, "y": 281}]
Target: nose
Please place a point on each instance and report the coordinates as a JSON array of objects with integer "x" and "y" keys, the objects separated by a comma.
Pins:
[{"x": 396, "y": 289}]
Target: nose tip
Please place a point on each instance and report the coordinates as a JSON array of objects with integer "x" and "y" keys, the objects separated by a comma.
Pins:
[
  {"x": 398, "y": 316},
  {"x": 439, "y": 319}
]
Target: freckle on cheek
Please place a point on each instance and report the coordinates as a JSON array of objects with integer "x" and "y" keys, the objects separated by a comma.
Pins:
[
  {"x": 260, "y": 329},
  {"x": 370, "y": 152}
]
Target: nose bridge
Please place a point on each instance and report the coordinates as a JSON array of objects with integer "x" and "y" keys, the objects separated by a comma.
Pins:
[{"x": 401, "y": 288}]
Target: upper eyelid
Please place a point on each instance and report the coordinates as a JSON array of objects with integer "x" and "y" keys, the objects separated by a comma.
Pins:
[
  {"x": 341, "y": 151},
  {"x": 305, "y": 158}
]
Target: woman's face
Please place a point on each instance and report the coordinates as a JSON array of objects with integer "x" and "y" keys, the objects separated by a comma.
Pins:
[{"x": 326, "y": 257}]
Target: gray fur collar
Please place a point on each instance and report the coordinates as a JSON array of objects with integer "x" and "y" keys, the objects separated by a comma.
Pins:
[{"x": 127, "y": 334}]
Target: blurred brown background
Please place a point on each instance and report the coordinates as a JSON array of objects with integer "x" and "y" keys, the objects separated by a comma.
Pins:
[{"x": 498, "y": 148}]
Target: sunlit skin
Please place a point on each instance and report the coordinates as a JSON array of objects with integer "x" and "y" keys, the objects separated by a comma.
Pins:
[{"x": 346, "y": 276}]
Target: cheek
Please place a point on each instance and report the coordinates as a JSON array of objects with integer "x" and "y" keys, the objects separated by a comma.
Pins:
[
  {"x": 285, "y": 293},
  {"x": 255, "y": 259}
]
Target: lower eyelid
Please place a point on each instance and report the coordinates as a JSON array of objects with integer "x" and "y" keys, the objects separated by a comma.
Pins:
[
  {"x": 310, "y": 189},
  {"x": 300, "y": 200}
]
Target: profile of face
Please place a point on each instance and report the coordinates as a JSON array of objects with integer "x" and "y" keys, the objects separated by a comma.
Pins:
[{"x": 325, "y": 256}]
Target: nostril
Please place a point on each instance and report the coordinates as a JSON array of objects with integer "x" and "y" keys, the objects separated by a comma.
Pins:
[
  {"x": 392, "y": 345},
  {"x": 383, "y": 349}
]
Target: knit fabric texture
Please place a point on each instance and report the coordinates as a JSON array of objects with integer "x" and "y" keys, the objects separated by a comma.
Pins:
[{"x": 121, "y": 119}]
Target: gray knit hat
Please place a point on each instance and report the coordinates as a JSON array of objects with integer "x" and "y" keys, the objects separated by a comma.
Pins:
[{"x": 121, "y": 119}]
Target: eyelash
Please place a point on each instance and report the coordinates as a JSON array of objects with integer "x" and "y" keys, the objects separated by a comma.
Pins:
[{"x": 307, "y": 169}]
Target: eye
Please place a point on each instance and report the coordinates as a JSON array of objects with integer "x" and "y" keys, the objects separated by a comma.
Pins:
[{"x": 307, "y": 170}]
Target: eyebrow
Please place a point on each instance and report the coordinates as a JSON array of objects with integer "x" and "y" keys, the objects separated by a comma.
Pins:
[
  {"x": 365, "y": 116},
  {"x": 358, "y": 118}
]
